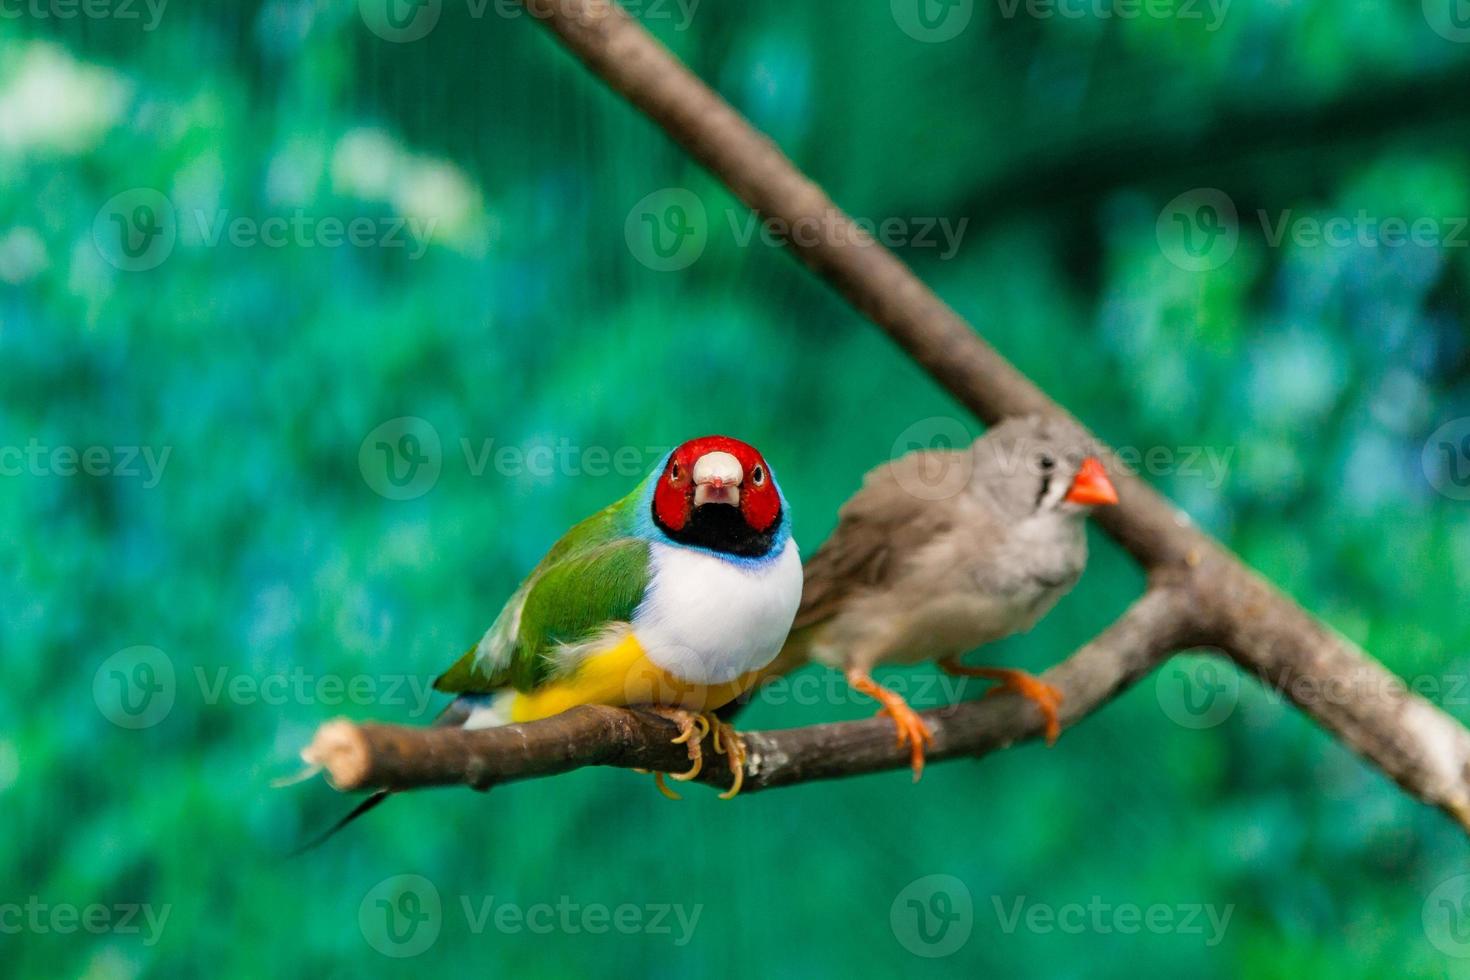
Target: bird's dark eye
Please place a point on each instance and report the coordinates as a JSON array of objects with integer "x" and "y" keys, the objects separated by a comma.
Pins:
[
  {"x": 758, "y": 475},
  {"x": 674, "y": 472},
  {"x": 1047, "y": 463}
]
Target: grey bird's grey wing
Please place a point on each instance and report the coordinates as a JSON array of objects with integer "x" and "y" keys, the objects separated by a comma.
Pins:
[{"x": 890, "y": 519}]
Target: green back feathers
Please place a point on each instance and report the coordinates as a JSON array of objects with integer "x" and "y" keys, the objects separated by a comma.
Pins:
[
  {"x": 593, "y": 577},
  {"x": 576, "y": 599}
]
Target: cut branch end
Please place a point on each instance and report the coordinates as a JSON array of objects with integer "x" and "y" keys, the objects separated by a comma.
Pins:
[{"x": 340, "y": 748}]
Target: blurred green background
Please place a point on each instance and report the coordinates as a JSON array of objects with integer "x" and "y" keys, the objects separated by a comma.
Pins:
[{"x": 320, "y": 321}]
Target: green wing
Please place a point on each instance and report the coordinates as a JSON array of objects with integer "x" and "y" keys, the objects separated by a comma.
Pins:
[{"x": 587, "y": 581}]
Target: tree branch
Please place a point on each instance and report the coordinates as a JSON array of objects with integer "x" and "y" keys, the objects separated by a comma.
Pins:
[
  {"x": 1353, "y": 696},
  {"x": 396, "y": 757},
  {"x": 1202, "y": 594}
]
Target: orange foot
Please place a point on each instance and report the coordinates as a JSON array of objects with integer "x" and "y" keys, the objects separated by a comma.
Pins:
[
  {"x": 911, "y": 728},
  {"x": 1046, "y": 697}
]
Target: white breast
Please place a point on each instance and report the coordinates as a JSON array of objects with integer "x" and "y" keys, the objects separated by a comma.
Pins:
[{"x": 707, "y": 620}]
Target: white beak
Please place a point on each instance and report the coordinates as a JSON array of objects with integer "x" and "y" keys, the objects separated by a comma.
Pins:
[{"x": 717, "y": 479}]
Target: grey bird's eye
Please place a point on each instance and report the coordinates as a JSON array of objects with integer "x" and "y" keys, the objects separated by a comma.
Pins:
[{"x": 1047, "y": 464}]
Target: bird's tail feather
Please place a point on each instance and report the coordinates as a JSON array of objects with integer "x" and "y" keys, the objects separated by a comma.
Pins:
[
  {"x": 455, "y": 714},
  {"x": 378, "y": 796}
]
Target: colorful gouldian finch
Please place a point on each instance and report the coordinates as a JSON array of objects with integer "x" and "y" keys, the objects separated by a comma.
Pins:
[
  {"x": 674, "y": 598},
  {"x": 913, "y": 574}
]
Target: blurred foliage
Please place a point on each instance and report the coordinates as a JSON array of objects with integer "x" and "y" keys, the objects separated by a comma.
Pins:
[{"x": 522, "y": 316}]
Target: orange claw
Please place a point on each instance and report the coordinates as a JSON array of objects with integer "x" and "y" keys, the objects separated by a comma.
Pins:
[
  {"x": 911, "y": 728},
  {"x": 1046, "y": 697}
]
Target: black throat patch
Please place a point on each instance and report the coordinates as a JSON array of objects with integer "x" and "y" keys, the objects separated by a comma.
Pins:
[{"x": 722, "y": 527}]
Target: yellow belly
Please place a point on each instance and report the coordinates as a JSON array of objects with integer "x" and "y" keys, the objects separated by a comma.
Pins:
[{"x": 623, "y": 675}]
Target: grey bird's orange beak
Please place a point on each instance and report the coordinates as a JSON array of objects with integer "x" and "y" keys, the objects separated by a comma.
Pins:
[{"x": 1091, "y": 487}]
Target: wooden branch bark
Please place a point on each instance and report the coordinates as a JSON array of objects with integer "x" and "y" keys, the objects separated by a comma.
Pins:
[{"x": 1202, "y": 594}]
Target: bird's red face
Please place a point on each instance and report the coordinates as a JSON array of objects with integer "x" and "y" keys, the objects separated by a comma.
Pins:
[{"x": 717, "y": 492}]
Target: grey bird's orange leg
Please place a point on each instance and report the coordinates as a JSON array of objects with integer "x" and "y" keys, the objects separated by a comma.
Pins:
[
  {"x": 1046, "y": 697},
  {"x": 911, "y": 728}
]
